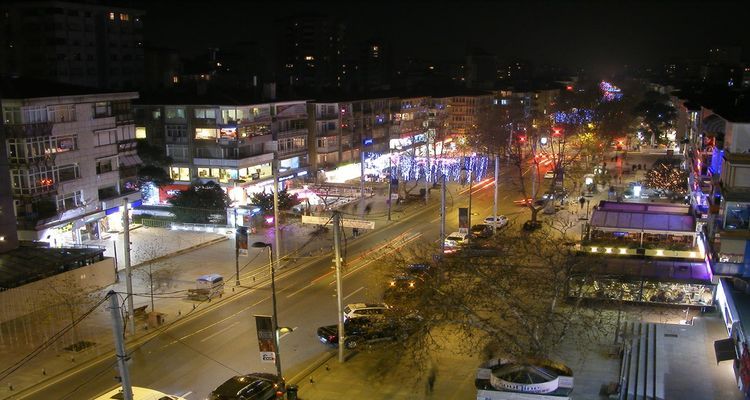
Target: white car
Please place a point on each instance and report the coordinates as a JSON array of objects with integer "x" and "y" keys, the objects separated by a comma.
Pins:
[
  {"x": 498, "y": 221},
  {"x": 356, "y": 310},
  {"x": 549, "y": 174},
  {"x": 456, "y": 239},
  {"x": 139, "y": 393}
]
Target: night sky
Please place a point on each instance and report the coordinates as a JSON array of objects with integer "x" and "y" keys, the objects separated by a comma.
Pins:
[{"x": 596, "y": 35}]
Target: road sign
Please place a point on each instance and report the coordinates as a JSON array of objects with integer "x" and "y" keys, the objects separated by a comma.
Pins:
[{"x": 346, "y": 223}]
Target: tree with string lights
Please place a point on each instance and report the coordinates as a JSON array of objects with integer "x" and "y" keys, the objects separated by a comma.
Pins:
[{"x": 667, "y": 177}]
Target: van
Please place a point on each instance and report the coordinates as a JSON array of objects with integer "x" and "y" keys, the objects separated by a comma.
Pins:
[
  {"x": 139, "y": 393},
  {"x": 207, "y": 287}
]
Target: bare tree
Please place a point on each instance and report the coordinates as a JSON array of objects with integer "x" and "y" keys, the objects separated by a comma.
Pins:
[
  {"x": 156, "y": 273},
  {"x": 519, "y": 303},
  {"x": 70, "y": 297}
]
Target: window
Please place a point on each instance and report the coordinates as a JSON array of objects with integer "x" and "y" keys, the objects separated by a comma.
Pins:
[
  {"x": 206, "y": 133},
  {"x": 176, "y": 131},
  {"x": 102, "y": 109},
  {"x": 124, "y": 17},
  {"x": 105, "y": 165},
  {"x": 12, "y": 115},
  {"x": 111, "y": 16},
  {"x": 175, "y": 113},
  {"x": 68, "y": 173},
  {"x": 180, "y": 173},
  {"x": 205, "y": 173},
  {"x": 205, "y": 113},
  {"x": 178, "y": 153},
  {"x": 140, "y": 132},
  {"x": 70, "y": 200},
  {"x": 103, "y": 138},
  {"x": 33, "y": 115},
  {"x": 156, "y": 114},
  {"x": 108, "y": 192},
  {"x": 737, "y": 216},
  {"x": 61, "y": 113}
]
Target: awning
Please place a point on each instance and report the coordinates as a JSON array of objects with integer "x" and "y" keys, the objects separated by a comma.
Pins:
[
  {"x": 725, "y": 350},
  {"x": 130, "y": 160}
]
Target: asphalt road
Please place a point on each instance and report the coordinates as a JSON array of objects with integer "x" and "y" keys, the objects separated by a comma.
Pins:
[{"x": 194, "y": 355}]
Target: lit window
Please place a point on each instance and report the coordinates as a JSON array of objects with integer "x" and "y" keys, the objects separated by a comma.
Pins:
[
  {"x": 309, "y": 58},
  {"x": 111, "y": 16},
  {"x": 175, "y": 79},
  {"x": 124, "y": 17},
  {"x": 140, "y": 132}
]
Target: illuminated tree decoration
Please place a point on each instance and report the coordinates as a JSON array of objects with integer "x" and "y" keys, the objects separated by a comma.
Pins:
[{"x": 670, "y": 178}]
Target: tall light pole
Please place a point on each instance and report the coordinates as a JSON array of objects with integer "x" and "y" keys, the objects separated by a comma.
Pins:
[
  {"x": 275, "y": 317},
  {"x": 497, "y": 185}
]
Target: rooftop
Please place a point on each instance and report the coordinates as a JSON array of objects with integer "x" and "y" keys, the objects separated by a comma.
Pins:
[
  {"x": 28, "y": 264},
  {"x": 16, "y": 87},
  {"x": 661, "y": 270}
]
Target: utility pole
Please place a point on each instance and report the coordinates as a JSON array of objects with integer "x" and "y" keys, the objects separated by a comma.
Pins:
[
  {"x": 339, "y": 297},
  {"x": 126, "y": 260},
  {"x": 276, "y": 230},
  {"x": 427, "y": 171},
  {"x": 390, "y": 183},
  {"x": 362, "y": 174},
  {"x": 114, "y": 309},
  {"x": 471, "y": 185},
  {"x": 236, "y": 250},
  {"x": 497, "y": 185},
  {"x": 442, "y": 216}
]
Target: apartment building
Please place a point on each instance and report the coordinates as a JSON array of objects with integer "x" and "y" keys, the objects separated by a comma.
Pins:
[
  {"x": 71, "y": 158},
  {"x": 340, "y": 129},
  {"x": 230, "y": 140},
  {"x": 76, "y": 42}
]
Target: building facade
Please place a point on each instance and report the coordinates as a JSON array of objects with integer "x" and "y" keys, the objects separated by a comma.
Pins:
[
  {"x": 71, "y": 159},
  {"x": 72, "y": 42},
  {"x": 233, "y": 145}
]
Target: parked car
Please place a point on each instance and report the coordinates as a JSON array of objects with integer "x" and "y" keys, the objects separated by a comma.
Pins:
[
  {"x": 139, "y": 393},
  {"x": 357, "y": 310},
  {"x": 366, "y": 330},
  {"x": 481, "y": 231},
  {"x": 549, "y": 174},
  {"x": 498, "y": 221},
  {"x": 455, "y": 240},
  {"x": 255, "y": 386}
]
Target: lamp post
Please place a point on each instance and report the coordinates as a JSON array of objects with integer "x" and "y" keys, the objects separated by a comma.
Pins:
[{"x": 275, "y": 316}]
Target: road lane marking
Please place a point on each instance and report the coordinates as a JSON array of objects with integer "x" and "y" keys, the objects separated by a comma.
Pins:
[
  {"x": 186, "y": 394},
  {"x": 219, "y": 332},
  {"x": 214, "y": 324},
  {"x": 353, "y": 293},
  {"x": 299, "y": 290}
]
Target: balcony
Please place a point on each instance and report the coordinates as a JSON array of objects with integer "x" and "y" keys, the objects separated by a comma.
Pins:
[
  {"x": 27, "y": 130},
  {"x": 234, "y": 162},
  {"x": 327, "y": 116}
]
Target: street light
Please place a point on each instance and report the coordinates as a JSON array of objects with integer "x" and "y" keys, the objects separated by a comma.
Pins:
[{"x": 275, "y": 317}]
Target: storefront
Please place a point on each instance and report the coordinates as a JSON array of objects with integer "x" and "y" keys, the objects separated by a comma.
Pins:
[
  {"x": 113, "y": 216},
  {"x": 665, "y": 282},
  {"x": 73, "y": 231}
]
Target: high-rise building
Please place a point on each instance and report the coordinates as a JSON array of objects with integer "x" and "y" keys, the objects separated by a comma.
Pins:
[
  {"x": 311, "y": 52},
  {"x": 72, "y": 42}
]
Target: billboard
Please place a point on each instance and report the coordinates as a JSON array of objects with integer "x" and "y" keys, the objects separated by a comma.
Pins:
[
  {"x": 241, "y": 240},
  {"x": 266, "y": 343}
]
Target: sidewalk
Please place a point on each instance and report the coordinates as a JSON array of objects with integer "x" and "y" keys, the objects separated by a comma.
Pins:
[
  {"x": 691, "y": 372},
  {"x": 20, "y": 337}
]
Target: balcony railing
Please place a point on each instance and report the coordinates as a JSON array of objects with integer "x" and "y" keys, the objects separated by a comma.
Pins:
[{"x": 27, "y": 130}]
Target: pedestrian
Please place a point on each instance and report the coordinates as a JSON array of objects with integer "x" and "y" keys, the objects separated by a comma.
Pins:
[{"x": 431, "y": 380}]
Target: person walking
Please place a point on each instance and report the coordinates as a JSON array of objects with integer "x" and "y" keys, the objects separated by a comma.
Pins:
[{"x": 431, "y": 381}]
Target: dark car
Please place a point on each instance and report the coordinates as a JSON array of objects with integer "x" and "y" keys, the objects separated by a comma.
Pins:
[
  {"x": 363, "y": 330},
  {"x": 530, "y": 225},
  {"x": 255, "y": 386},
  {"x": 481, "y": 231}
]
